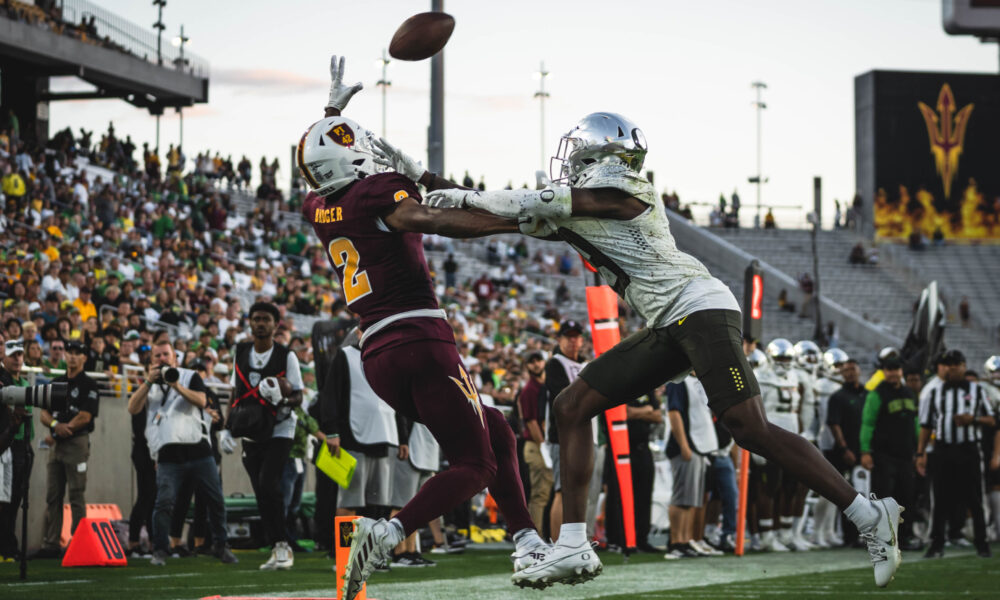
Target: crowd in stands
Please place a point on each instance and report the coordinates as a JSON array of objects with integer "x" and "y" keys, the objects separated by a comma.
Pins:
[{"x": 107, "y": 262}]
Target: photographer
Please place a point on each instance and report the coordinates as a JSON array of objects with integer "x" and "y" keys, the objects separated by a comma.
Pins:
[
  {"x": 177, "y": 431},
  {"x": 69, "y": 441},
  {"x": 258, "y": 365},
  {"x": 20, "y": 447}
]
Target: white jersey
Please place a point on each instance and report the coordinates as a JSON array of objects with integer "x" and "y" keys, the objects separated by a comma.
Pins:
[
  {"x": 824, "y": 388},
  {"x": 639, "y": 258},
  {"x": 779, "y": 391},
  {"x": 808, "y": 408},
  {"x": 992, "y": 394}
]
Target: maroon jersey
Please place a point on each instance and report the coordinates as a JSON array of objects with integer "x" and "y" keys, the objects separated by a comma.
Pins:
[{"x": 382, "y": 272}]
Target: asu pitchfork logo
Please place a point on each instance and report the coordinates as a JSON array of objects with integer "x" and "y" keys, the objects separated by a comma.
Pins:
[
  {"x": 469, "y": 391},
  {"x": 947, "y": 134}
]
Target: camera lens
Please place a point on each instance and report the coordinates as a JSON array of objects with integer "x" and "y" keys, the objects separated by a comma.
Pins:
[
  {"x": 51, "y": 397},
  {"x": 171, "y": 375}
]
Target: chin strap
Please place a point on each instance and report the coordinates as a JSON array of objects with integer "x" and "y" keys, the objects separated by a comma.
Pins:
[{"x": 550, "y": 203}]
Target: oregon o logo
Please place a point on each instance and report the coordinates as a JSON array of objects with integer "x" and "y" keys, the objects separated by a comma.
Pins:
[{"x": 547, "y": 195}]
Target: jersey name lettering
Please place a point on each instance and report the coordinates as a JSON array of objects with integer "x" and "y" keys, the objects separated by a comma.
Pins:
[{"x": 328, "y": 215}]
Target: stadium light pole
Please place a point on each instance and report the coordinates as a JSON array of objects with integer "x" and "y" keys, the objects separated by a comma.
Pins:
[
  {"x": 384, "y": 83},
  {"x": 180, "y": 62},
  {"x": 759, "y": 105},
  {"x": 541, "y": 94},
  {"x": 435, "y": 132},
  {"x": 159, "y": 27}
]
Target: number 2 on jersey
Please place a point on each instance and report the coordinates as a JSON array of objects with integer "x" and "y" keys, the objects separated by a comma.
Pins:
[{"x": 345, "y": 256}]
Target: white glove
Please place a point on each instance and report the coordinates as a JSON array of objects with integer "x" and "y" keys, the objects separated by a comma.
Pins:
[
  {"x": 542, "y": 180},
  {"x": 450, "y": 198},
  {"x": 392, "y": 157},
  {"x": 536, "y": 227},
  {"x": 340, "y": 94},
  {"x": 271, "y": 391},
  {"x": 226, "y": 442}
]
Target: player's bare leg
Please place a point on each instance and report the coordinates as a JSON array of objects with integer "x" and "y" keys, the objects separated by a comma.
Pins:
[{"x": 878, "y": 521}]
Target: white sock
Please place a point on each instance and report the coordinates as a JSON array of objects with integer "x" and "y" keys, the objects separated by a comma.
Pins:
[
  {"x": 863, "y": 513},
  {"x": 527, "y": 537},
  {"x": 995, "y": 509},
  {"x": 573, "y": 534},
  {"x": 396, "y": 532}
]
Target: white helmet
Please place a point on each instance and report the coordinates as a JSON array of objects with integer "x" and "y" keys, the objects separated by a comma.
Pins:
[
  {"x": 833, "y": 359},
  {"x": 808, "y": 354},
  {"x": 782, "y": 353},
  {"x": 991, "y": 368},
  {"x": 335, "y": 152},
  {"x": 600, "y": 137},
  {"x": 757, "y": 359}
]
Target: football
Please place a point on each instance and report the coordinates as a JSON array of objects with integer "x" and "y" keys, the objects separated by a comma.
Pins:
[
  {"x": 285, "y": 387},
  {"x": 421, "y": 36}
]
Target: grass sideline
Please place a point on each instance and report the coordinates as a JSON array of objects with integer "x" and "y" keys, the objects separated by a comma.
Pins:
[{"x": 484, "y": 574}]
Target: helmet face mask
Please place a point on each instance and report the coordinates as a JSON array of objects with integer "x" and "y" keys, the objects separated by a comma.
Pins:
[
  {"x": 757, "y": 359},
  {"x": 335, "y": 152},
  {"x": 782, "y": 354},
  {"x": 808, "y": 355},
  {"x": 598, "y": 138},
  {"x": 833, "y": 359}
]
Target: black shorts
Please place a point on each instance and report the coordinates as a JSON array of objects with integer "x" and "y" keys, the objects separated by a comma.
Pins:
[{"x": 709, "y": 341}]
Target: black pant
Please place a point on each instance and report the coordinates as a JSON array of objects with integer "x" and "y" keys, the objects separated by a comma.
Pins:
[
  {"x": 199, "y": 525},
  {"x": 265, "y": 464},
  {"x": 955, "y": 518},
  {"x": 8, "y": 510},
  {"x": 957, "y": 488},
  {"x": 643, "y": 474},
  {"x": 895, "y": 477},
  {"x": 326, "y": 508},
  {"x": 145, "y": 496}
]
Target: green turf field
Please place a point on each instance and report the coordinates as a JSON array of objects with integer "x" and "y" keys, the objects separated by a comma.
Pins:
[{"x": 484, "y": 575}]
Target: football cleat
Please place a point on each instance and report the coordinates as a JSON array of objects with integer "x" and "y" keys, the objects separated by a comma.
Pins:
[
  {"x": 370, "y": 546},
  {"x": 770, "y": 543},
  {"x": 561, "y": 564},
  {"x": 883, "y": 542},
  {"x": 529, "y": 554}
]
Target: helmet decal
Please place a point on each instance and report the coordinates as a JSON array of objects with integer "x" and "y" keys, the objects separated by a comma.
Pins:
[{"x": 342, "y": 134}]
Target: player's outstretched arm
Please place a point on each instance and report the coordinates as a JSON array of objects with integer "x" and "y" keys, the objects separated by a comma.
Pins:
[
  {"x": 549, "y": 203},
  {"x": 414, "y": 217}
]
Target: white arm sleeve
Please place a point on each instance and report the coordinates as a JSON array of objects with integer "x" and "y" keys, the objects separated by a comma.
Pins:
[
  {"x": 292, "y": 372},
  {"x": 550, "y": 203}
]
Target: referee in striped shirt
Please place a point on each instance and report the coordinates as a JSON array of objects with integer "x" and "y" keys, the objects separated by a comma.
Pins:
[{"x": 955, "y": 413}]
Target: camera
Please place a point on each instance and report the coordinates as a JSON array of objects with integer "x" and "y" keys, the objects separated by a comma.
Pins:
[
  {"x": 50, "y": 396},
  {"x": 170, "y": 375}
]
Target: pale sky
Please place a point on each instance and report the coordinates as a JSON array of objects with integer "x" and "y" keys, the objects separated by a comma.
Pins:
[{"x": 680, "y": 69}]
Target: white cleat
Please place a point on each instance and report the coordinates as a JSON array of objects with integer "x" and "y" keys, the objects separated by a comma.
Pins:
[
  {"x": 529, "y": 554},
  {"x": 770, "y": 543},
  {"x": 369, "y": 548},
  {"x": 800, "y": 544},
  {"x": 704, "y": 549},
  {"x": 284, "y": 558},
  {"x": 883, "y": 542},
  {"x": 820, "y": 540},
  {"x": 271, "y": 562},
  {"x": 560, "y": 564}
]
